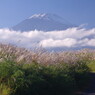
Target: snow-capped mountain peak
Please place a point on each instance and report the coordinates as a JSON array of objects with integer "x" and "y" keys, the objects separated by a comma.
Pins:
[
  {"x": 49, "y": 16},
  {"x": 43, "y": 22}
]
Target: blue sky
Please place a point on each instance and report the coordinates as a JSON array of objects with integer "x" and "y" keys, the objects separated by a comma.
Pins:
[{"x": 75, "y": 11}]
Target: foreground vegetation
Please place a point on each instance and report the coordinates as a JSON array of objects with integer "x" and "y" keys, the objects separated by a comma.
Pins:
[{"x": 24, "y": 72}]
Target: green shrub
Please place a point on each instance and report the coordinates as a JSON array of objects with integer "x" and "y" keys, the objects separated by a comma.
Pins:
[
  {"x": 5, "y": 90},
  {"x": 41, "y": 79},
  {"x": 91, "y": 65},
  {"x": 81, "y": 74}
]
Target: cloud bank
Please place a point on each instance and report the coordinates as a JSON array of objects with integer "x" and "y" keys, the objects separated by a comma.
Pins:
[{"x": 71, "y": 38}]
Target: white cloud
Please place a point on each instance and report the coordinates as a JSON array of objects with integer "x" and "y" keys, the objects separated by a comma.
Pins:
[
  {"x": 68, "y": 42},
  {"x": 72, "y": 37},
  {"x": 91, "y": 42}
]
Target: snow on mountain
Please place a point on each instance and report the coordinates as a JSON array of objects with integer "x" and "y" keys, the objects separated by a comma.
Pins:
[
  {"x": 43, "y": 22},
  {"x": 38, "y": 16}
]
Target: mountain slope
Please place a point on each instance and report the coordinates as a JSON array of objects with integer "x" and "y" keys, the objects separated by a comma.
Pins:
[{"x": 44, "y": 22}]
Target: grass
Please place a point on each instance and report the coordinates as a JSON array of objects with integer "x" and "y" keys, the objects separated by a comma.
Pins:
[
  {"x": 39, "y": 72},
  {"x": 41, "y": 79},
  {"x": 4, "y": 90},
  {"x": 91, "y": 65}
]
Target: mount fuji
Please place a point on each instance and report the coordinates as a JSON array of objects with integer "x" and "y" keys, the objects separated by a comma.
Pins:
[{"x": 43, "y": 22}]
